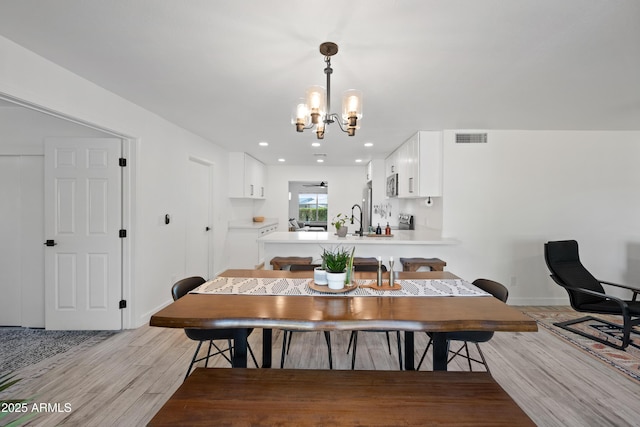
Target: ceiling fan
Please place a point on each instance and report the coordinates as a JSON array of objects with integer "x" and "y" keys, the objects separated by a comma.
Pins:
[{"x": 322, "y": 184}]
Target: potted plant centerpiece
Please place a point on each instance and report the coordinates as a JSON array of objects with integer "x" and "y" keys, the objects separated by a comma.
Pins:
[
  {"x": 336, "y": 262},
  {"x": 339, "y": 222}
]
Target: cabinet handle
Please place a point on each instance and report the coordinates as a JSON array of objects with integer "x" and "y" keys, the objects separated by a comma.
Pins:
[
  {"x": 392, "y": 169},
  {"x": 261, "y": 191},
  {"x": 410, "y": 185},
  {"x": 251, "y": 193}
]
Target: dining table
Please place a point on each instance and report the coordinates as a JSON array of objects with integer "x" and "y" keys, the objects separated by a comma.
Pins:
[{"x": 249, "y": 301}]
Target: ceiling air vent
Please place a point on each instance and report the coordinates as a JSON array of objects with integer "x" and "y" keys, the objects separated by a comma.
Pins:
[{"x": 471, "y": 138}]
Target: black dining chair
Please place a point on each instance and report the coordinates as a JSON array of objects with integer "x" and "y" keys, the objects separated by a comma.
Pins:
[
  {"x": 353, "y": 338},
  {"x": 287, "y": 334},
  {"x": 180, "y": 289},
  {"x": 499, "y": 291}
]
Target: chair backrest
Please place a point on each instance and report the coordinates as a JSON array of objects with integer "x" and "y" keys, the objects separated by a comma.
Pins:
[
  {"x": 496, "y": 289},
  {"x": 368, "y": 267},
  {"x": 303, "y": 267},
  {"x": 184, "y": 286},
  {"x": 564, "y": 264}
]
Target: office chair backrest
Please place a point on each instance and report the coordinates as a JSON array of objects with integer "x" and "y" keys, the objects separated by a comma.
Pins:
[
  {"x": 494, "y": 288},
  {"x": 564, "y": 263},
  {"x": 184, "y": 286}
]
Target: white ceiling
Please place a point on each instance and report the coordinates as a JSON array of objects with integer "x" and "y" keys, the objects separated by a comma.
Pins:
[{"x": 232, "y": 70}]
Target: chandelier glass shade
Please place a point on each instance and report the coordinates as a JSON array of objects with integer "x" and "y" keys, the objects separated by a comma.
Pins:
[{"x": 313, "y": 111}]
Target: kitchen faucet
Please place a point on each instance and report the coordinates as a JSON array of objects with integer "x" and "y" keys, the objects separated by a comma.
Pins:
[{"x": 360, "y": 220}]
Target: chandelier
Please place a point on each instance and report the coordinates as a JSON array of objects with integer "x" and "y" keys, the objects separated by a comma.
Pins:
[{"x": 314, "y": 110}]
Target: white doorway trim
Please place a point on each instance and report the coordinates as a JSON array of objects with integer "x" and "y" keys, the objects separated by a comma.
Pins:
[{"x": 130, "y": 147}]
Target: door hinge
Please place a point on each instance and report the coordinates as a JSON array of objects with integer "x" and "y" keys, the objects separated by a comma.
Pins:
[
  {"x": 122, "y": 162},
  {"x": 122, "y": 233},
  {"x": 123, "y": 303}
]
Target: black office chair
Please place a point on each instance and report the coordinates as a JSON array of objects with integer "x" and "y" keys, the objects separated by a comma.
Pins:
[
  {"x": 180, "y": 289},
  {"x": 586, "y": 293},
  {"x": 353, "y": 339},
  {"x": 476, "y": 337},
  {"x": 287, "y": 334}
]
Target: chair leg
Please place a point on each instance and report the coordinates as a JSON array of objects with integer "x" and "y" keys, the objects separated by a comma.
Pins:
[
  {"x": 193, "y": 360},
  {"x": 290, "y": 333},
  {"x": 353, "y": 333},
  {"x": 399, "y": 349},
  {"x": 327, "y": 337},
  {"x": 252, "y": 355},
  {"x": 388, "y": 341},
  {"x": 466, "y": 349},
  {"x": 425, "y": 353},
  {"x": 206, "y": 361},
  {"x": 484, "y": 361},
  {"x": 355, "y": 346},
  {"x": 284, "y": 348}
]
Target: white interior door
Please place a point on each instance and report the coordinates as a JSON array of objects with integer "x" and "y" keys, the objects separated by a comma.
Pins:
[
  {"x": 10, "y": 280},
  {"x": 21, "y": 234},
  {"x": 83, "y": 217},
  {"x": 199, "y": 253}
]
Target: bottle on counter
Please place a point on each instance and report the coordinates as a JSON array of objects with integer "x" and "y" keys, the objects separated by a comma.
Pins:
[
  {"x": 378, "y": 229},
  {"x": 387, "y": 230}
]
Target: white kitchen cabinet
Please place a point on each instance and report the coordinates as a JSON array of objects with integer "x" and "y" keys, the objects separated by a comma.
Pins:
[
  {"x": 243, "y": 249},
  {"x": 247, "y": 177},
  {"x": 418, "y": 163},
  {"x": 369, "y": 172}
]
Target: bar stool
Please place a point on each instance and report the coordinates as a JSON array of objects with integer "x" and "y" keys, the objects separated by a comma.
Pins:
[
  {"x": 279, "y": 262},
  {"x": 412, "y": 264}
]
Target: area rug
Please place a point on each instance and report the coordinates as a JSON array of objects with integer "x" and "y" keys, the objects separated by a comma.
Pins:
[
  {"x": 627, "y": 362},
  {"x": 21, "y": 347}
]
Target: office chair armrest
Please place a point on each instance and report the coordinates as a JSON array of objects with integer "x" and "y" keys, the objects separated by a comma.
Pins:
[
  {"x": 635, "y": 291},
  {"x": 623, "y": 305}
]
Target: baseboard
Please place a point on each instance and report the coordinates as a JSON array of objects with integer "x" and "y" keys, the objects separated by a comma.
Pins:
[
  {"x": 146, "y": 317},
  {"x": 538, "y": 301}
]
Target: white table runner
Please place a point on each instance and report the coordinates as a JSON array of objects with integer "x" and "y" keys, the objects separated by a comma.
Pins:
[{"x": 289, "y": 286}]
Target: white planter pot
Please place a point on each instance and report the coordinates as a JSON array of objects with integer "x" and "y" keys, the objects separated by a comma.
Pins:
[
  {"x": 319, "y": 276},
  {"x": 336, "y": 280}
]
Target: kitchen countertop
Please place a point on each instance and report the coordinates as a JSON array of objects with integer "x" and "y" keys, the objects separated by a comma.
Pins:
[
  {"x": 249, "y": 224},
  {"x": 400, "y": 237}
]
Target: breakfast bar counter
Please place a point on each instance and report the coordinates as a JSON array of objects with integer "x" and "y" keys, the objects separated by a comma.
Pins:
[{"x": 402, "y": 243}]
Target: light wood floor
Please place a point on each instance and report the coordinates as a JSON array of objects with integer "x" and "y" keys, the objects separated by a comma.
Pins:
[{"x": 126, "y": 379}]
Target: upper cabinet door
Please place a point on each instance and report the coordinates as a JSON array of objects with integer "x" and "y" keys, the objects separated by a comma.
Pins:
[
  {"x": 248, "y": 177},
  {"x": 418, "y": 163}
]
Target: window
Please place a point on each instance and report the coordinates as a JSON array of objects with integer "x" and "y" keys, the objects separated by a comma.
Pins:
[{"x": 312, "y": 207}]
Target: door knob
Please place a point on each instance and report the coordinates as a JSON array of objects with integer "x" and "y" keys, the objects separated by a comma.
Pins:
[
  {"x": 207, "y": 229},
  {"x": 50, "y": 243}
]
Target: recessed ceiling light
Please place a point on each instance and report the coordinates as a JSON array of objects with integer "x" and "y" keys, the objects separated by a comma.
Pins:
[
  {"x": 358, "y": 160},
  {"x": 281, "y": 160},
  {"x": 263, "y": 144},
  {"x": 315, "y": 144},
  {"x": 320, "y": 160},
  {"x": 368, "y": 144}
]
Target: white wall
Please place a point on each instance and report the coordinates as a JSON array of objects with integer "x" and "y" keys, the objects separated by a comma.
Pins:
[
  {"x": 158, "y": 163},
  {"x": 345, "y": 189},
  {"x": 503, "y": 200}
]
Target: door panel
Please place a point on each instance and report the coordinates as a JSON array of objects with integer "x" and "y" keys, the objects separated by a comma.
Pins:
[
  {"x": 83, "y": 217},
  {"x": 199, "y": 253}
]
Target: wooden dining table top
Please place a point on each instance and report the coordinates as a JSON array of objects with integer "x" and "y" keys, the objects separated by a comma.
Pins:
[{"x": 342, "y": 312}]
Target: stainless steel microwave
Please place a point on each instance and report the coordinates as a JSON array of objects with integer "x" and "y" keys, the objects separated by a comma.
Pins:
[{"x": 392, "y": 185}]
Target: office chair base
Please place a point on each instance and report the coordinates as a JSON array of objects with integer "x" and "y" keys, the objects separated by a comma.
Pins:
[{"x": 566, "y": 325}]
